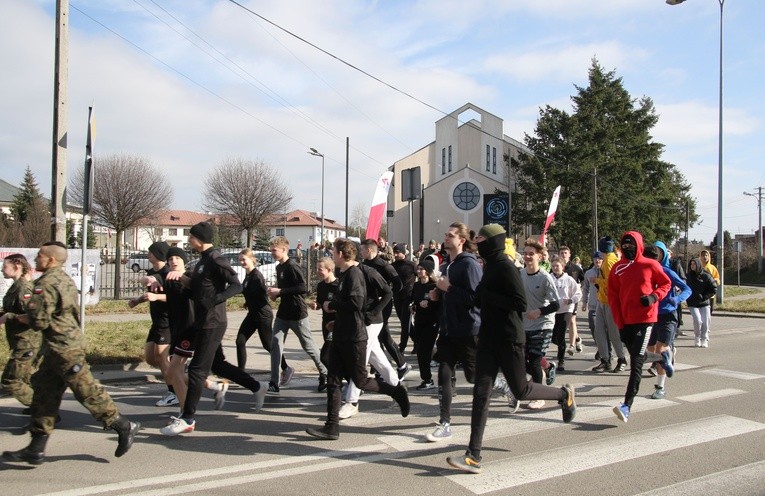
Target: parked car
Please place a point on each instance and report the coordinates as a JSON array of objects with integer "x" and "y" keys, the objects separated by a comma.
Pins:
[
  {"x": 138, "y": 262},
  {"x": 266, "y": 265}
]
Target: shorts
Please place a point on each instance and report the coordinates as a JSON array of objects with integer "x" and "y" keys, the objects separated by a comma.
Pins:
[
  {"x": 184, "y": 344},
  {"x": 664, "y": 329},
  {"x": 453, "y": 349},
  {"x": 159, "y": 335}
]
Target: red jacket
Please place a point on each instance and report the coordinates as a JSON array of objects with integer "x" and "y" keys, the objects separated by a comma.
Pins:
[{"x": 631, "y": 279}]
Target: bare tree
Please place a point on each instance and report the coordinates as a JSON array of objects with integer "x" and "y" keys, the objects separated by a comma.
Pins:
[
  {"x": 248, "y": 191},
  {"x": 358, "y": 220},
  {"x": 126, "y": 189}
]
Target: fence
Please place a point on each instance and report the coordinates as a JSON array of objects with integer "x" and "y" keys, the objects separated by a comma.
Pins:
[{"x": 132, "y": 268}]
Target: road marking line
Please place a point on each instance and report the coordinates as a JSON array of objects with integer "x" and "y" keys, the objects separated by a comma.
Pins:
[
  {"x": 733, "y": 374},
  {"x": 216, "y": 472},
  {"x": 519, "y": 423},
  {"x": 735, "y": 480},
  {"x": 710, "y": 395},
  {"x": 567, "y": 460}
]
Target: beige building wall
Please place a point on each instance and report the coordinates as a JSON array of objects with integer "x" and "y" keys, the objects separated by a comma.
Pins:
[{"x": 456, "y": 194}]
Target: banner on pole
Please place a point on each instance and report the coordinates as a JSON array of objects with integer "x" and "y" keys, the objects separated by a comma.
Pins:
[
  {"x": 550, "y": 214},
  {"x": 379, "y": 202}
]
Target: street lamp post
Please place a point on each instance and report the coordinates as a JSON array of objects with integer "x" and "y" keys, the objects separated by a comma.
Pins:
[
  {"x": 315, "y": 153},
  {"x": 720, "y": 236}
]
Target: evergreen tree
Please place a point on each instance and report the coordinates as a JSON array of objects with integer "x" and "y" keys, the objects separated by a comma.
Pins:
[
  {"x": 606, "y": 137},
  {"x": 26, "y": 198}
]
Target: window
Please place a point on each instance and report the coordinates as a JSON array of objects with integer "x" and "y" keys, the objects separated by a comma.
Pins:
[
  {"x": 494, "y": 160},
  {"x": 443, "y": 160},
  {"x": 280, "y": 231},
  {"x": 466, "y": 196},
  {"x": 186, "y": 232},
  {"x": 487, "y": 158},
  {"x": 158, "y": 231},
  {"x": 450, "y": 158},
  {"x": 172, "y": 231}
]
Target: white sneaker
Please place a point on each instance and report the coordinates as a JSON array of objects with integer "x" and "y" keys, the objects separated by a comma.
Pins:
[
  {"x": 260, "y": 396},
  {"x": 443, "y": 431},
  {"x": 177, "y": 426},
  {"x": 348, "y": 410},
  {"x": 220, "y": 395},
  {"x": 170, "y": 399},
  {"x": 705, "y": 343},
  {"x": 536, "y": 404},
  {"x": 570, "y": 350},
  {"x": 286, "y": 376}
]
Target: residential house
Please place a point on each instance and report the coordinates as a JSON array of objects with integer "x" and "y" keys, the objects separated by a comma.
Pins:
[{"x": 303, "y": 227}]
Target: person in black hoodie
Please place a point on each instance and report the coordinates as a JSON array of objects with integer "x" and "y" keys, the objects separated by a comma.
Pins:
[
  {"x": 501, "y": 344},
  {"x": 703, "y": 289}
]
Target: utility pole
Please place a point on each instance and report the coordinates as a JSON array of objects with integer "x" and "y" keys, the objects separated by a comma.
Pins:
[
  {"x": 760, "y": 261},
  {"x": 687, "y": 226},
  {"x": 60, "y": 95},
  {"x": 595, "y": 209}
]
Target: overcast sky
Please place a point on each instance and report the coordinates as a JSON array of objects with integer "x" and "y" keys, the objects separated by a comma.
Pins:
[{"x": 189, "y": 83}]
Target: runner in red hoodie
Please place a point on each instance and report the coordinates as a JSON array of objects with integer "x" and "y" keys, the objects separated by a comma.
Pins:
[{"x": 635, "y": 286}]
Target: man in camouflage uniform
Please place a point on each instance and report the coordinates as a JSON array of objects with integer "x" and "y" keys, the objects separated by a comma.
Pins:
[
  {"x": 24, "y": 342},
  {"x": 53, "y": 309}
]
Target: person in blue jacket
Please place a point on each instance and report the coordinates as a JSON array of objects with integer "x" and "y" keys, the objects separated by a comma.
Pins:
[{"x": 664, "y": 330}]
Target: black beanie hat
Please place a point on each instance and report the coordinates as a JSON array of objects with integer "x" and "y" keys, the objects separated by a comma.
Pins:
[
  {"x": 174, "y": 251},
  {"x": 159, "y": 250},
  {"x": 428, "y": 265},
  {"x": 203, "y": 231}
]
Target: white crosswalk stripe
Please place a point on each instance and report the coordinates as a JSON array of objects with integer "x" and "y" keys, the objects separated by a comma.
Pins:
[{"x": 566, "y": 460}]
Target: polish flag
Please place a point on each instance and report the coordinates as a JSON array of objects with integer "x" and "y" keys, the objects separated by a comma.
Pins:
[
  {"x": 379, "y": 202},
  {"x": 550, "y": 214}
]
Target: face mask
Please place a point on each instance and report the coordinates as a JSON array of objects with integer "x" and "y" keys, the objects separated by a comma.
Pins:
[{"x": 629, "y": 252}]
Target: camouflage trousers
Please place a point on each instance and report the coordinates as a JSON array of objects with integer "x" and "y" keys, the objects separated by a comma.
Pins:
[
  {"x": 59, "y": 371},
  {"x": 22, "y": 362}
]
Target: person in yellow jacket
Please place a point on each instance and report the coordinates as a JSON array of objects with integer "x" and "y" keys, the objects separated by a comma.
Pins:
[
  {"x": 606, "y": 332},
  {"x": 706, "y": 264}
]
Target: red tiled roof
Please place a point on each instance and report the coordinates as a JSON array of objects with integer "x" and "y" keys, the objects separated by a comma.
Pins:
[{"x": 300, "y": 218}]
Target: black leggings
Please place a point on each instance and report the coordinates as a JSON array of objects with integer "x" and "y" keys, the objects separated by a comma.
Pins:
[
  {"x": 635, "y": 338},
  {"x": 426, "y": 332},
  {"x": 261, "y": 320}
]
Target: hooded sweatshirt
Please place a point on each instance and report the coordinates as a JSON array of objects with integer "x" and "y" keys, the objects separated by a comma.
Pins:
[
  {"x": 703, "y": 286},
  {"x": 500, "y": 295},
  {"x": 673, "y": 299},
  {"x": 631, "y": 278}
]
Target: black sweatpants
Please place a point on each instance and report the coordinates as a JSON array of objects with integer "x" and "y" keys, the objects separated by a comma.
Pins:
[
  {"x": 510, "y": 358},
  {"x": 635, "y": 338}
]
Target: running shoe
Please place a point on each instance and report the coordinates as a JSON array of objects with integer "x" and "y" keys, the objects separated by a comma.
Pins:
[
  {"x": 426, "y": 385},
  {"x": 570, "y": 350},
  {"x": 443, "y": 431},
  {"x": 536, "y": 404},
  {"x": 220, "y": 395},
  {"x": 286, "y": 376},
  {"x": 623, "y": 412},
  {"x": 578, "y": 345},
  {"x": 658, "y": 393},
  {"x": 170, "y": 399},
  {"x": 621, "y": 364},
  {"x": 652, "y": 371},
  {"x": 404, "y": 371},
  {"x": 260, "y": 396},
  {"x": 348, "y": 410},
  {"x": 273, "y": 388},
  {"x": 466, "y": 463},
  {"x": 177, "y": 426},
  {"x": 551, "y": 374},
  {"x": 603, "y": 366},
  {"x": 568, "y": 405},
  {"x": 322, "y": 383},
  {"x": 327, "y": 432},
  {"x": 704, "y": 344}
]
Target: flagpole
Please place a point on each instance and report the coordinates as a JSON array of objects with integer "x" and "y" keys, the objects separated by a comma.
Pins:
[{"x": 87, "y": 201}]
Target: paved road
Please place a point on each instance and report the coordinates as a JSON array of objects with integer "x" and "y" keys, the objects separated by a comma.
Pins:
[{"x": 706, "y": 438}]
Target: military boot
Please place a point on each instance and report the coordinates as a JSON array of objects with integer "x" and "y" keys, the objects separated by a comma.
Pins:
[
  {"x": 126, "y": 431},
  {"x": 34, "y": 453}
]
